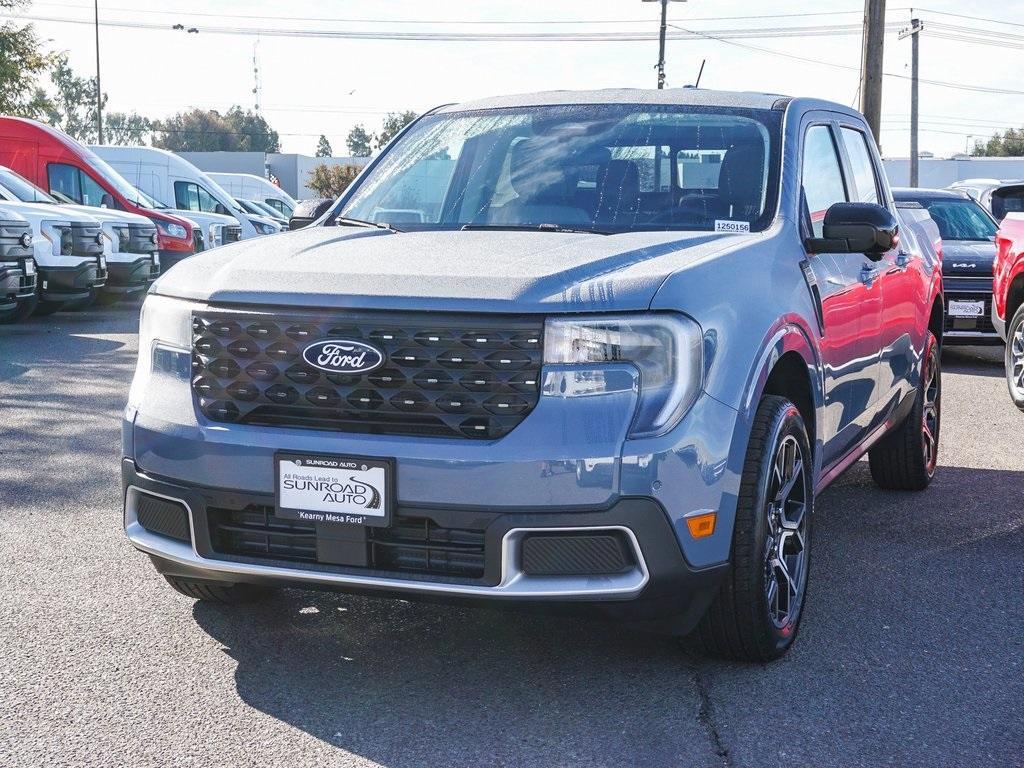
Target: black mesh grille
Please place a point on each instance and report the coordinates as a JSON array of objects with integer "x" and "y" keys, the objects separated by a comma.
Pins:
[
  {"x": 410, "y": 545},
  {"x": 165, "y": 517},
  {"x": 232, "y": 233},
  {"x": 443, "y": 375},
  {"x": 198, "y": 242},
  {"x": 576, "y": 554}
]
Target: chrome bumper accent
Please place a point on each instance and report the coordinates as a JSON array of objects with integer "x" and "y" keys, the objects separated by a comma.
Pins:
[{"x": 514, "y": 583}]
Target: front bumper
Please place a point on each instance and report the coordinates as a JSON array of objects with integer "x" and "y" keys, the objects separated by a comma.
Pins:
[
  {"x": 658, "y": 585},
  {"x": 72, "y": 283},
  {"x": 969, "y": 330},
  {"x": 569, "y": 463},
  {"x": 127, "y": 277},
  {"x": 16, "y": 284},
  {"x": 169, "y": 258}
]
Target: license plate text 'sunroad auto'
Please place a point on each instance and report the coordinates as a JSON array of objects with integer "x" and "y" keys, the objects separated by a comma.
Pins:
[{"x": 346, "y": 490}]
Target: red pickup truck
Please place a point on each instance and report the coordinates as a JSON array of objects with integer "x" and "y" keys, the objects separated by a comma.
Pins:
[{"x": 1008, "y": 300}]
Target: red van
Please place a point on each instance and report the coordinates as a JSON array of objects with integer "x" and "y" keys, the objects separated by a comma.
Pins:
[{"x": 56, "y": 162}]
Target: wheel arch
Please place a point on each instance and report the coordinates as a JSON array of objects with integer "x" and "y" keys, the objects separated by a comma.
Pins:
[{"x": 1014, "y": 296}]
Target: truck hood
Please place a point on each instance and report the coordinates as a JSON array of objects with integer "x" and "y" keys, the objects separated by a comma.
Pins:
[
  {"x": 39, "y": 212},
  {"x": 498, "y": 271},
  {"x": 109, "y": 215},
  {"x": 968, "y": 258}
]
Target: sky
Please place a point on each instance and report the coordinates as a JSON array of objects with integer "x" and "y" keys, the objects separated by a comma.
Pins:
[{"x": 311, "y": 85}]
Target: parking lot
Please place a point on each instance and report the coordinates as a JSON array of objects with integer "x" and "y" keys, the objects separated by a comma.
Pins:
[{"x": 910, "y": 651}]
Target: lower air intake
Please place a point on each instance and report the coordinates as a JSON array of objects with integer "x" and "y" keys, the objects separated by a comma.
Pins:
[
  {"x": 577, "y": 554},
  {"x": 167, "y": 518}
]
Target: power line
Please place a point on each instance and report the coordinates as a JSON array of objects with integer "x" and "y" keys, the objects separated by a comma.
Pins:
[
  {"x": 461, "y": 22},
  {"x": 446, "y": 36},
  {"x": 938, "y": 83}
]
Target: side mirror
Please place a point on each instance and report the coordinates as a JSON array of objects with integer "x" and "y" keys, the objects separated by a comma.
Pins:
[
  {"x": 866, "y": 228},
  {"x": 221, "y": 209}
]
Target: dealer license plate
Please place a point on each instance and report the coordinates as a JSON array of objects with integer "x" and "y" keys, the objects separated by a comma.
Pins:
[
  {"x": 321, "y": 488},
  {"x": 966, "y": 308}
]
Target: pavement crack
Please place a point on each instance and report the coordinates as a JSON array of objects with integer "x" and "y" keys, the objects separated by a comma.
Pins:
[{"x": 706, "y": 715}]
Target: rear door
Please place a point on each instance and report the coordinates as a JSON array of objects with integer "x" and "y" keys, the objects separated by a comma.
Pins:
[{"x": 850, "y": 301}]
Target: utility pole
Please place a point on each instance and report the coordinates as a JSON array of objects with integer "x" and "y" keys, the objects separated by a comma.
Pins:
[
  {"x": 99, "y": 88},
  {"x": 914, "y": 33},
  {"x": 872, "y": 51},
  {"x": 661, "y": 38}
]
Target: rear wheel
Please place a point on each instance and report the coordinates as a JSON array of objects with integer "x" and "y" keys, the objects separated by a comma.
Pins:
[
  {"x": 219, "y": 593},
  {"x": 757, "y": 612},
  {"x": 905, "y": 459},
  {"x": 1015, "y": 358}
]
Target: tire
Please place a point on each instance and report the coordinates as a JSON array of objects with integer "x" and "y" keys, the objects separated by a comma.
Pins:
[
  {"x": 44, "y": 308},
  {"x": 748, "y": 620},
  {"x": 1015, "y": 358},
  {"x": 22, "y": 312},
  {"x": 905, "y": 459},
  {"x": 219, "y": 593}
]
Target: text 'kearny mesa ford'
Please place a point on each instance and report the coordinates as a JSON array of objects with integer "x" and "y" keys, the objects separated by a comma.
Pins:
[{"x": 596, "y": 349}]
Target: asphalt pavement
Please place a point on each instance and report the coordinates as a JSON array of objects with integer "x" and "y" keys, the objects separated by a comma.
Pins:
[{"x": 911, "y": 650}]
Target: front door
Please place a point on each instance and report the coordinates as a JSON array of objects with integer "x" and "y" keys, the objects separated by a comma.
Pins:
[{"x": 851, "y": 304}]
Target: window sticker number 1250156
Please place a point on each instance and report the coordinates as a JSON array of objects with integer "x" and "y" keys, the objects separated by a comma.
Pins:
[{"x": 736, "y": 227}]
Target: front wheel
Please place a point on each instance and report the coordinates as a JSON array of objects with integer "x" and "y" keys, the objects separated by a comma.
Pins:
[
  {"x": 757, "y": 612},
  {"x": 1015, "y": 358},
  {"x": 905, "y": 459}
]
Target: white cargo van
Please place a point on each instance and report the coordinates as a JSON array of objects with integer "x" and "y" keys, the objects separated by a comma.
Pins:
[
  {"x": 175, "y": 181},
  {"x": 251, "y": 187}
]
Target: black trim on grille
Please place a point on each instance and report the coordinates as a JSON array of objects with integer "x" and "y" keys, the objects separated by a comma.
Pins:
[
  {"x": 410, "y": 545},
  {"x": 163, "y": 516},
  {"x": 443, "y": 375}
]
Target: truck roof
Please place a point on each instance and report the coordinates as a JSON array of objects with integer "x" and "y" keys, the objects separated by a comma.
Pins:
[
  {"x": 912, "y": 193},
  {"x": 665, "y": 97}
]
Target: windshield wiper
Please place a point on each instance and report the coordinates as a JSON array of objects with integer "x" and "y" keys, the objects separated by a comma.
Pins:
[
  {"x": 537, "y": 228},
  {"x": 345, "y": 221}
]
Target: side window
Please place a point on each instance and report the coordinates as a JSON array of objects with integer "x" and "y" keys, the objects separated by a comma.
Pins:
[
  {"x": 92, "y": 193},
  {"x": 822, "y": 175},
  {"x": 207, "y": 202},
  {"x": 865, "y": 181},
  {"x": 186, "y": 196},
  {"x": 63, "y": 180}
]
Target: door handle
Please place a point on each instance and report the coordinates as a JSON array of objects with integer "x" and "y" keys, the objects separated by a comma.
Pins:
[
  {"x": 903, "y": 260},
  {"x": 868, "y": 274}
]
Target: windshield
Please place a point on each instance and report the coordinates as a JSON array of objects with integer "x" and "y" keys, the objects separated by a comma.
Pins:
[
  {"x": 608, "y": 167},
  {"x": 960, "y": 219},
  {"x": 23, "y": 189}
]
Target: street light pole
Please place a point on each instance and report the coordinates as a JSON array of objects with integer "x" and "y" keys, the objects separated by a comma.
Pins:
[
  {"x": 661, "y": 38},
  {"x": 914, "y": 33},
  {"x": 661, "y": 44},
  {"x": 99, "y": 88}
]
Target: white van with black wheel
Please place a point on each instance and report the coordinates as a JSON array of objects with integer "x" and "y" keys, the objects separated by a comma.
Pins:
[
  {"x": 252, "y": 187},
  {"x": 175, "y": 181},
  {"x": 131, "y": 251}
]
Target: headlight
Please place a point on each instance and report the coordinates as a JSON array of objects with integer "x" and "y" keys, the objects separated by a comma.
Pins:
[
  {"x": 165, "y": 345},
  {"x": 264, "y": 229},
  {"x": 171, "y": 229},
  {"x": 666, "y": 349},
  {"x": 216, "y": 235}
]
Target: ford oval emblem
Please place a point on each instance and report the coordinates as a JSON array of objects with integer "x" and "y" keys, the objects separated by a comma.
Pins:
[{"x": 343, "y": 356}]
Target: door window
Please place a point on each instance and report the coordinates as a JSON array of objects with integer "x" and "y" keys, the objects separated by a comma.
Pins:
[
  {"x": 865, "y": 181},
  {"x": 822, "y": 175},
  {"x": 92, "y": 193},
  {"x": 190, "y": 196},
  {"x": 63, "y": 180}
]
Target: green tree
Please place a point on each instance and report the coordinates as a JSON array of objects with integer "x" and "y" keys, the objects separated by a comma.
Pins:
[
  {"x": 331, "y": 180},
  {"x": 253, "y": 131},
  {"x": 393, "y": 123},
  {"x": 1008, "y": 144},
  {"x": 72, "y": 107},
  {"x": 207, "y": 130},
  {"x": 323, "y": 147},
  {"x": 359, "y": 141},
  {"x": 22, "y": 61},
  {"x": 126, "y": 128}
]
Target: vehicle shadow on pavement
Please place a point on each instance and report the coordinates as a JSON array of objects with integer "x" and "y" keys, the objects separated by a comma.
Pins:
[
  {"x": 911, "y": 640},
  {"x": 976, "y": 361}
]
